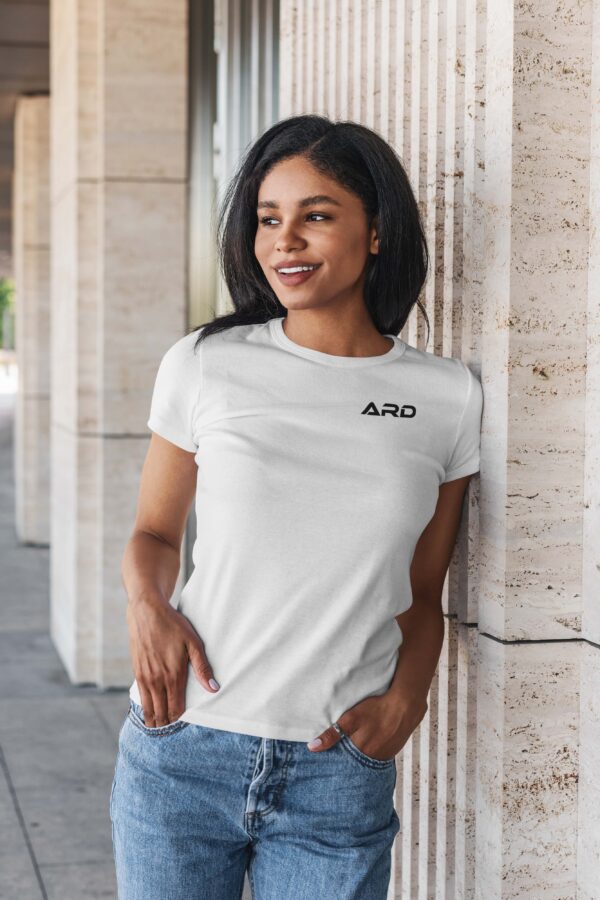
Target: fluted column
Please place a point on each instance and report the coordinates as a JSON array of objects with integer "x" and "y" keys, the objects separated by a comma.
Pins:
[{"x": 495, "y": 111}]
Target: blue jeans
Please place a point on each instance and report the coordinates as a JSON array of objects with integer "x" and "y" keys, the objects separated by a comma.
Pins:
[{"x": 192, "y": 808}]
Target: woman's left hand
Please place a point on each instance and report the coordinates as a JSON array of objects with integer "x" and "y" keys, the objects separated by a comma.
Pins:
[{"x": 379, "y": 726}]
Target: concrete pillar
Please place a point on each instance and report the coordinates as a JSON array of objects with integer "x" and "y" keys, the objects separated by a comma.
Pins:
[
  {"x": 31, "y": 254},
  {"x": 118, "y": 207}
]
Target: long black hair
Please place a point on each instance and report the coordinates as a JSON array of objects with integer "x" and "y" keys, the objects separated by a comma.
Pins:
[{"x": 361, "y": 161}]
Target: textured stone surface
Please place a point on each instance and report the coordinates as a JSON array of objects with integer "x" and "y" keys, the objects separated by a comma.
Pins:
[
  {"x": 31, "y": 252},
  {"x": 534, "y": 349},
  {"x": 527, "y": 769}
]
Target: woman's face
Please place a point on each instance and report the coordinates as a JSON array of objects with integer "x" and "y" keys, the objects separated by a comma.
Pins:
[{"x": 294, "y": 229}]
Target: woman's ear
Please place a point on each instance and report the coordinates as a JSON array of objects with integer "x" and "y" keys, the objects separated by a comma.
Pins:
[{"x": 374, "y": 248}]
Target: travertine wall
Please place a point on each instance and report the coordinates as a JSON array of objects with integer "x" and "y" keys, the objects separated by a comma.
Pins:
[
  {"x": 495, "y": 112},
  {"x": 31, "y": 257},
  {"x": 118, "y": 216}
]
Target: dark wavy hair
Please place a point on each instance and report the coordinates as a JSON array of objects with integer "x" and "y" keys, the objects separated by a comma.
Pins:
[{"x": 362, "y": 162}]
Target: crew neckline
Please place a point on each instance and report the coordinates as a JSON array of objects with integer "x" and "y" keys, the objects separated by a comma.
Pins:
[{"x": 331, "y": 359}]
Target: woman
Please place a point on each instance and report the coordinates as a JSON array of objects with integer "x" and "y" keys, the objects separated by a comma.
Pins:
[{"x": 329, "y": 461}]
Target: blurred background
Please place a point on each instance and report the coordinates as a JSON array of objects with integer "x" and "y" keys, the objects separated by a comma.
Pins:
[{"x": 121, "y": 122}]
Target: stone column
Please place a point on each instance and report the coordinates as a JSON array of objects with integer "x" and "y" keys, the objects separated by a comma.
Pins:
[
  {"x": 118, "y": 208},
  {"x": 31, "y": 252},
  {"x": 536, "y": 195}
]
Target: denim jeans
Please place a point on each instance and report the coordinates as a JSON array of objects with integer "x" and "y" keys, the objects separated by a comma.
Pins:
[{"x": 192, "y": 808}]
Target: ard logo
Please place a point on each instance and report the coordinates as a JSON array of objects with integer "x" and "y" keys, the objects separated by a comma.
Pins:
[{"x": 389, "y": 409}]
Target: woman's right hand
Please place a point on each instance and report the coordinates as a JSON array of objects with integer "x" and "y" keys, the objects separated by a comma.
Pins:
[{"x": 162, "y": 643}]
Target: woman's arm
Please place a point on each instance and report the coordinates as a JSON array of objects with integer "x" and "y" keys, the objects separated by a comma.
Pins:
[
  {"x": 423, "y": 623},
  {"x": 162, "y": 641},
  {"x": 152, "y": 559}
]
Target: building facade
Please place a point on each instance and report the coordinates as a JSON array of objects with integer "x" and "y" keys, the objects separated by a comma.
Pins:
[{"x": 495, "y": 111}]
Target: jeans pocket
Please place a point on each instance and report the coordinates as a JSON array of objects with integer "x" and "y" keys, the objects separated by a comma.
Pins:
[
  {"x": 363, "y": 758},
  {"x": 136, "y": 715}
]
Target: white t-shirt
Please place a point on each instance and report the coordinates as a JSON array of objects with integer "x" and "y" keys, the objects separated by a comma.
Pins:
[{"x": 316, "y": 477}]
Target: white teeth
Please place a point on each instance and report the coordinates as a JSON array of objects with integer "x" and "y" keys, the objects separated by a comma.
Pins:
[{"x": 297, "y": 269}]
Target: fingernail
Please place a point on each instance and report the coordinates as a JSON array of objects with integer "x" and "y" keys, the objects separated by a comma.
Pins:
[
  {"x": 314, "y": 743},
  {"x": 214, "y": 684}
]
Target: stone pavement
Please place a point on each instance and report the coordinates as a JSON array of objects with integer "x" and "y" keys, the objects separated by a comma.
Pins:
[{"x": 58, "y": 741}]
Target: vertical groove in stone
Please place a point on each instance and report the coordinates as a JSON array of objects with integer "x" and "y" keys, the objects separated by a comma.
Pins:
[
  {"x": 371, "y": 72},
  {"x": 466, "y": 756},
  {"x": 332, "y": 86},
  {"x": 288, "y": 37},
  {"x": 357, "y": 44},
  {"x": 386, "y": 70},
  {"x": 272, "y": 66},
  {"x": 299, "y": 40},
  {"x": 309, "y": 56},
  {"x": 445, "y": 872},
  {"x": 433, "y": 211},
  {"x": 444, "y": 341},
  {"x": 410, "y": 815},
  {"x": 429, "y": 736},
  {"x": 395, "y": 887},
  {"x": 453, "y": 340},
  {"x": 346, "y": 84},
  {"x": 421, "y": 110},
  {"x": 320, "y": 64},
  {"x": 416, "y": 113},
  {"x": 402, "y": 56},
  {"x": 473, "y": 168},
  {"x": 434, "y": 876},
  {"x": 257, "y": 29}
]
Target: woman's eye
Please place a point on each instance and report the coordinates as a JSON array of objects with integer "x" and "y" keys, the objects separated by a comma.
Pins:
[{"x": 266, "y": 219}]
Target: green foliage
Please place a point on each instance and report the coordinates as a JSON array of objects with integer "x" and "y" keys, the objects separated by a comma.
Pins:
[{"x": 7, "y": 312}]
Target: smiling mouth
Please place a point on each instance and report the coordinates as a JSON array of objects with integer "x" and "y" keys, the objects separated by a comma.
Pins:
[{"x": 298, "y": 275}]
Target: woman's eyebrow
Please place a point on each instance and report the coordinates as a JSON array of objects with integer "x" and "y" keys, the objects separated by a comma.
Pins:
[{"x": 307, "y": 201}]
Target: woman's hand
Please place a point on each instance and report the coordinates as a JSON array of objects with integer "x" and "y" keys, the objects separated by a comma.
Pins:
[
  {"x": 379, "y": 726},
  {"x": 162, "y": 643}
]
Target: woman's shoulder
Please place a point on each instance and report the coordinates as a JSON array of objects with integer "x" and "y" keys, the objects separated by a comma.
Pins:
[
  {"x": 446, "y": 367},
  {"x": 445, "y": 380}
]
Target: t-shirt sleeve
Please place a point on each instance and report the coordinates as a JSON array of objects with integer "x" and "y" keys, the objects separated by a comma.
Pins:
[
  {"x": 176, "y": 390},
  {"x": 464, "y": 459}
]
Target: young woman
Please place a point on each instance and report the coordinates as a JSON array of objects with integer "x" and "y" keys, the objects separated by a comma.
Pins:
[{"x": 328, "y": 460}]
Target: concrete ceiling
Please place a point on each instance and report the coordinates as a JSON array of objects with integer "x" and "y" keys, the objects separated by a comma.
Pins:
[{"x": 24, "y": 69}]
